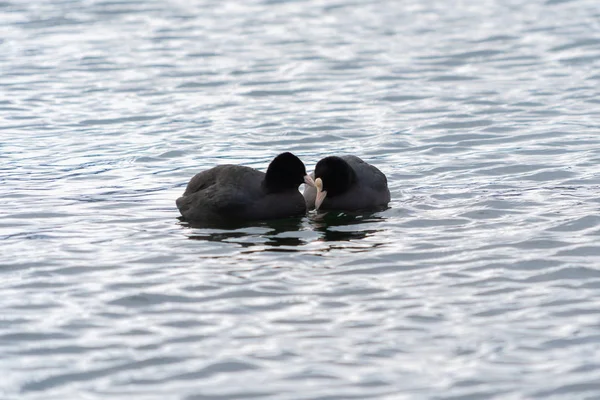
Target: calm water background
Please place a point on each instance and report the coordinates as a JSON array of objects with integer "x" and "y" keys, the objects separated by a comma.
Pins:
[{"x": 481, "y": 281}]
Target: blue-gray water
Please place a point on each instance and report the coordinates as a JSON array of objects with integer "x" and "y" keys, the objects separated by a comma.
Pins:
[{"x": 481, "y": 281}]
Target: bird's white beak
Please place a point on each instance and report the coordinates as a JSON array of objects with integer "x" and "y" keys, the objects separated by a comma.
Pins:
[
  {"x": 309, "y": 180},
  {"x": 321, "y": 194}
]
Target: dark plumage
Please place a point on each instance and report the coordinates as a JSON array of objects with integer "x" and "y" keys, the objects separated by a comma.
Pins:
[
  {"x": 347, "y": 183},
  {"x": 234, "y": 192}
]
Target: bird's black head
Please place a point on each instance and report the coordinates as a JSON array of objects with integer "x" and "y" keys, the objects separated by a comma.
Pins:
[
  {"x": 285, "y": 172},
  {"x": 336, "y": 175}
]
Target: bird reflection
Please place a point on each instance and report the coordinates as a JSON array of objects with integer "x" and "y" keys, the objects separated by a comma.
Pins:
[
  {"x": 228, "y": 231},
  {"x": 324, "y": 221},
  {"x": 337, "y": 229}
]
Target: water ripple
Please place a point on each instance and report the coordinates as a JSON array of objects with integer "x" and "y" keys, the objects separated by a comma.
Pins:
[{"x": 479, "y": 281}]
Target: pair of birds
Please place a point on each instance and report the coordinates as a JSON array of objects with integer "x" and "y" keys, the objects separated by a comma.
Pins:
[{"x": 234, "y": 192}]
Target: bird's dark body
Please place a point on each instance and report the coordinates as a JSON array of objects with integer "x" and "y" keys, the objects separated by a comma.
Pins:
[
  {"x": 368, "y": 191},
  {"x": 234, "y": 192}
]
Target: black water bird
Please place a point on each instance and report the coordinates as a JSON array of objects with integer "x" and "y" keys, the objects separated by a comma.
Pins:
[
  {"x": 235, "y": 192},
  {"x": 347, "y": 183}
]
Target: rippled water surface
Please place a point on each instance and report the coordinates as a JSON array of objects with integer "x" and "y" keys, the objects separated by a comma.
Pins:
[{"x": 481, "y": 281}]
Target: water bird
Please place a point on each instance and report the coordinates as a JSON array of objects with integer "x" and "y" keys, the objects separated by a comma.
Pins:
[
  {"x": 347, "y": 183},
  {"x": 235, "y": 192}
]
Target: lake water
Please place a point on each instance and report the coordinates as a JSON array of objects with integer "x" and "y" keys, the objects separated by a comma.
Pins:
[{"x": 481, "y": 281}]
